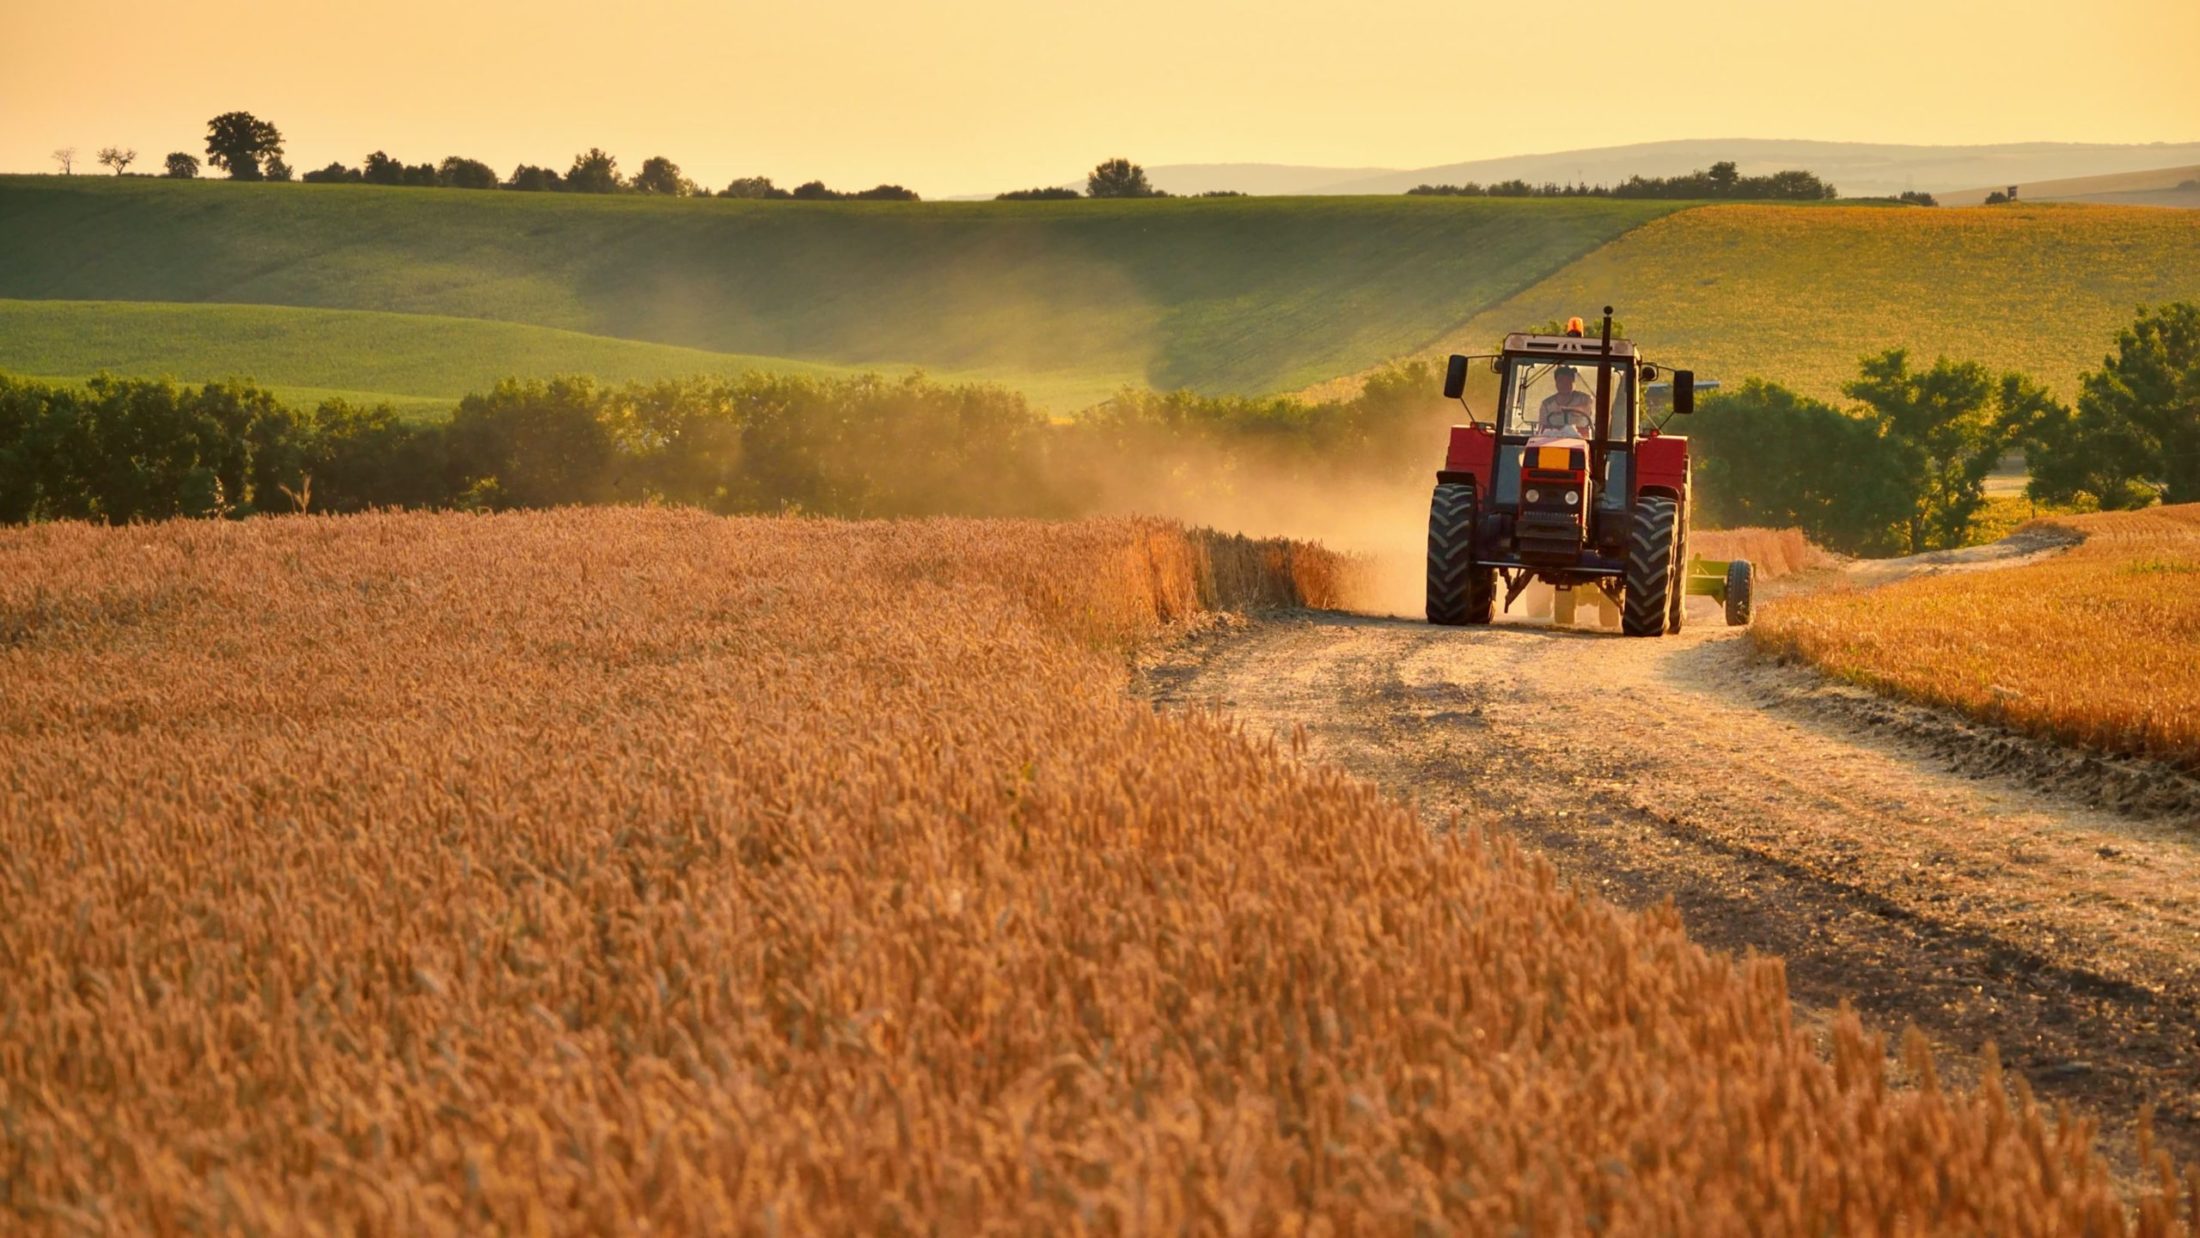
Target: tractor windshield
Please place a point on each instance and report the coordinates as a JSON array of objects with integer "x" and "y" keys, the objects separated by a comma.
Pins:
[{"x": 1544, "y": 398}]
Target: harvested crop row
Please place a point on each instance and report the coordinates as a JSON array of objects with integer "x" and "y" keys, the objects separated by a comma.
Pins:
[
  {"x": 601, "y": 869},
  {"x": 2099, "y": 645}
]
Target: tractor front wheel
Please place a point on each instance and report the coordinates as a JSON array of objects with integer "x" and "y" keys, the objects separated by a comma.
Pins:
[
  {"x": 1651, "y": 544},
  {"x": 1739, "y": 579},
  {"x": 1460, "y": 590}
]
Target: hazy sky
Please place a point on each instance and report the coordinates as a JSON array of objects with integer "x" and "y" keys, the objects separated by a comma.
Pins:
[{"x": 982, "y": 95}]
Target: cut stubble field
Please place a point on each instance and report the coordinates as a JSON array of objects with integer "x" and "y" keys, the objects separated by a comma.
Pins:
[
  {"x": 2098, "y": 646},
  {"x": 588, "y": 870}
]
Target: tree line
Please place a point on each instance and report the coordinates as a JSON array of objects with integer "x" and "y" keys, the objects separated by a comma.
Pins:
[
  {"x": 121, "y": 450},
  {"x": 247, "y": 148},
  {"x": 1110, "y": 178},
  {"x": 1901, "y": 470},
  {"x": 1722, "y": 180},
  {"x": 1905, "y": 469}
]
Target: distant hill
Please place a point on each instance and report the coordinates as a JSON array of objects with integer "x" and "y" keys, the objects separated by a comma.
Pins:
[
  {"x": 2178, "y": 186},
  {"x": 1798, "y": 294},
  {"x": 1253, "y": 178},
  {"x": 1858, "y": 169},
  {"x": 1069, "y": 301}
]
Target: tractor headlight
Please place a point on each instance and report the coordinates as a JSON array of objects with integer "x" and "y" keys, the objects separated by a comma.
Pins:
[
  {"x": 1535, "y": 496},
  {"x": 1573, "y": 498}
]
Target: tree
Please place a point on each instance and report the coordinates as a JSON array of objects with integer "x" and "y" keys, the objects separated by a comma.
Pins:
[
  {"x": 593, "y": 172},
  {"x": 527, "y": 178},
  {"x": 334, "y": 174},
  {"x": 277, "y": 170},
  {"x": 885, "y": 193},
  {"x": 180, "y": 166},
  {"x": 117, "y": 158},
  {"x": 660, "y": 175},
  {"x": 1954, "y": 423},
  {"x": 1119, "y": 178},
  {"x": 1724, "y": 176},
  {"x": 533, "y": 444},
  {"x": 238, "y": 143},
  {"x": 457, "y": 173},
  {"x": 1767, "y": 456},
  {"x": 379, "y": 169},
  {"x": 753, "y": 187},
  {"x": 65, "y": 158},
  {"x": 2135, "y": 435},
  {"x": 814, "y": 191},
  {"x": 1052, "y": 193}
]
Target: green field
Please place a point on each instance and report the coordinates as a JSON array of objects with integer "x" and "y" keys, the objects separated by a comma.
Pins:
[
  {"x": 1069, "y": 300},
  {"x": 419, "y": 362},
  {"x": 420, "y": 296},
  {"x": 1798, "y": 295}
]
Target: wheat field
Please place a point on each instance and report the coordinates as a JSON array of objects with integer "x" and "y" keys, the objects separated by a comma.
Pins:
[
  {"x": 624, "y": 869},
  {"x": 2099, "y": 645}
]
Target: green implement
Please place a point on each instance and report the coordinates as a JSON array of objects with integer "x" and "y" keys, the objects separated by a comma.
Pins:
[{"x": 1729, "y": 581}]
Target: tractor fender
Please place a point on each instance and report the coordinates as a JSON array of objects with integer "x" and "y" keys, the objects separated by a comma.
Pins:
[
  {"x": 1661, "y": 466},
  {"x": 1471, "y": 455}
]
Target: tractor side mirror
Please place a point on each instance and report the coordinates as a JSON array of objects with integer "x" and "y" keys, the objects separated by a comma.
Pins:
[
  {"x": 1455, "y": 377},
  {"x": 1684, "y": 391}
]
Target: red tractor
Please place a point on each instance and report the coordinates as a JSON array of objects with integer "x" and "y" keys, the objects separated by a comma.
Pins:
[{"x": 1570, "y": 487}]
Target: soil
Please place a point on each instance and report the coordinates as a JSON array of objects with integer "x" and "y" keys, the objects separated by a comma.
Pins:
[{"x": 1926, "y": 869}]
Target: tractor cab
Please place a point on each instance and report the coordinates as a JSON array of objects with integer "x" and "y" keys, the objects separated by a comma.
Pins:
[{"x": 1566, "y": 484}]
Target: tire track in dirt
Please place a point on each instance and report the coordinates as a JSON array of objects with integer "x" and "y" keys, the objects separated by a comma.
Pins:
[{"x": 1980, "y": 908}]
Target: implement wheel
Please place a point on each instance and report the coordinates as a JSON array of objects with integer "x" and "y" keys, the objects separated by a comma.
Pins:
[
  {"x": 1651, "y": 546},
  {"x": 1740, "y": 576},
  {"x": 1460, "y": 590}
]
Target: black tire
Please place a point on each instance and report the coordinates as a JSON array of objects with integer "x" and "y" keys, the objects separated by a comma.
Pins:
[
  {"x": 1651, "y": 542},
  {"x": 1740, "y": 580},
  {"x": 1459, "y": 590},
  {"x": 1677, "y": 608}
]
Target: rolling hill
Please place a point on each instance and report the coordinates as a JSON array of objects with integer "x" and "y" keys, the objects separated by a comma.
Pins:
[
  {"x": 419, "y": 296},
  {"x": 2178, "y": 186},
  {"x": 1070, "y": 300},
  {"x": 1858, "y": 169},
  {"x": 1797, "y": 295}
]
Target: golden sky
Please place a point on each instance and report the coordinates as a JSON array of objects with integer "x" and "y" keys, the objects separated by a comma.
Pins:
[{"x": 981, "y": 95}]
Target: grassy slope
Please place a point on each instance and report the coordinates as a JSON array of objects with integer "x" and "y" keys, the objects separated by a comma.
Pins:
[
  {"x": 1799, "y": 295},
  {"x": 1219, "y": 295},
  {"x": 414, "y": 360}
]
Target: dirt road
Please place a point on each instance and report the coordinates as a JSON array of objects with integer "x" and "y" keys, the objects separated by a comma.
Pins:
[{"x": 1915, "y": 867}]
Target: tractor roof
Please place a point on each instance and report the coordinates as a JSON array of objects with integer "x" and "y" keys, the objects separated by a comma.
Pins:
[{"x": 1570, "y": 346}]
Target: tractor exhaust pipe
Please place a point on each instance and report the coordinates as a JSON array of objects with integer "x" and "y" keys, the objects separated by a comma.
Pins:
[{"x": 1604, "y": 401}]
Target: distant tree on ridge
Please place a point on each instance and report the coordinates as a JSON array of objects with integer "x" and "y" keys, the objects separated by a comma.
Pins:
[
  {"x": 239, "y": 143},
  {"x": 1120, "y": 178}
]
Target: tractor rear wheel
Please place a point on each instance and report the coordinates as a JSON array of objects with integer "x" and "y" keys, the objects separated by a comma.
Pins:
[
  {"x": 1651, "y": 544},
  {"x": 1740, "y": 577},
  {"x": 1677, "y": 608},
  {"x": 1459, "y": 589}
]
